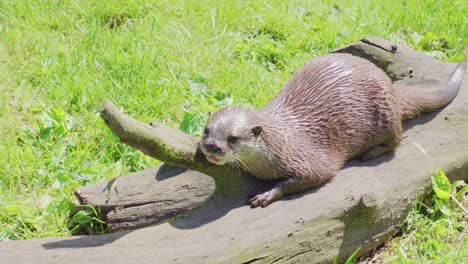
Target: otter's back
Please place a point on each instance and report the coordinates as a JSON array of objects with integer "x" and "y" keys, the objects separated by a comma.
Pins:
[{"x": 340, "y": 101}]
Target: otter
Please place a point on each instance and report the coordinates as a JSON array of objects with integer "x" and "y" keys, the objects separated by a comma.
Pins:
[{"x": 336, "y": 108}]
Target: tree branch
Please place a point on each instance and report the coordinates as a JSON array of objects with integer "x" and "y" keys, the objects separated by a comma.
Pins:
[{"x": 158, "y": 141}]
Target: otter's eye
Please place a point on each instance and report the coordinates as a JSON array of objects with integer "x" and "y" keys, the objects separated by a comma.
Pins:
[
  {"x": 206, "y": 132},
  {"x": 232, "y": 139}
]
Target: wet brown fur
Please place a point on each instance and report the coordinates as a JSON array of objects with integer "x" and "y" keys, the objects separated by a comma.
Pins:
[{"x": 335, "y": 108}]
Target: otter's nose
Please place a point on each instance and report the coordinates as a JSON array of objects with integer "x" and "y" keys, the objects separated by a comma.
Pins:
[{"x": 212, "y": 148}]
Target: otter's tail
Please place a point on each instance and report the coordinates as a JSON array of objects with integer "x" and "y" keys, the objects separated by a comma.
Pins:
[{"x": 414, "y": 103}]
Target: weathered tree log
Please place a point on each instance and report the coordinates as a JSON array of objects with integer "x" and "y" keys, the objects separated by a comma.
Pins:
[
  {"x": 362, "y": 207},
  {"x": 148, "y": 196}
]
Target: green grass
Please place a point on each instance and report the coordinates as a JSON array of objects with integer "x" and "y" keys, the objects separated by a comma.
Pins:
[
  {"x": 436, "y": 230},
  {"x": 430, "y": 239},
  {"x": 171, "y": 61}
]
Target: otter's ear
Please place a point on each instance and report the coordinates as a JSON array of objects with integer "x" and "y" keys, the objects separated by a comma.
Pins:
[{"x": 257, "y": 130}]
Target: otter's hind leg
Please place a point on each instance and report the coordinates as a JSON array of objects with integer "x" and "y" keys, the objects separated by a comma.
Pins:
[{"x": 388, "y": 146}]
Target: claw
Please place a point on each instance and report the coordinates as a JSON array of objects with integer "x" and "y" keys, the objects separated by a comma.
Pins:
[{"x": 266, "y": 198}]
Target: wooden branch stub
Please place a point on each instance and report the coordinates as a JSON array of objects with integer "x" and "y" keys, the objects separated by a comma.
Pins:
[{"x": 158, "y": 141}]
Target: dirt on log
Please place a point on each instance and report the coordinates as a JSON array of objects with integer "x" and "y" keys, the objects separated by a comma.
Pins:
[{"x": 207, "y": 220}]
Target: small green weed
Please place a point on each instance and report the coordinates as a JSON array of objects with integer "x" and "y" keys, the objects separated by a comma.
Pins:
[
  {"x": 448, "y": 197},
  {"x": 436, "y": 231},
  {"x": 350, "y": 259},
  {"x": 86, "y": 221}
]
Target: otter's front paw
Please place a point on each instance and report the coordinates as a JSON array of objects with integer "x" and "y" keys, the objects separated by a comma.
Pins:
[{"x": 266, "y": 198}]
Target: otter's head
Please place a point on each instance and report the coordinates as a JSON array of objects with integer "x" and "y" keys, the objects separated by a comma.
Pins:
[{"x": 231, "y": 136}]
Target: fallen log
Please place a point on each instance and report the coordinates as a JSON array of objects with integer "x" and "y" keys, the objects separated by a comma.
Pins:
[
  {"x": 147, "y": 197},
  {"x": 362, "y": 207}
]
